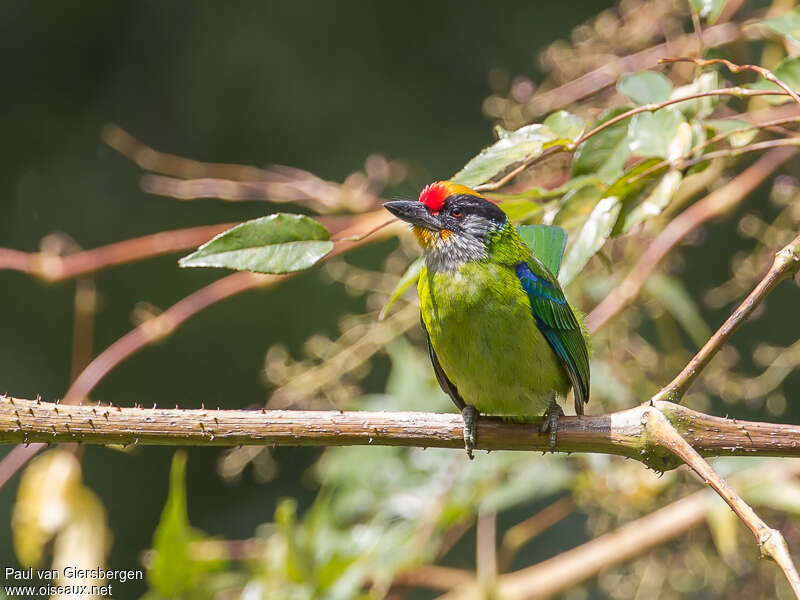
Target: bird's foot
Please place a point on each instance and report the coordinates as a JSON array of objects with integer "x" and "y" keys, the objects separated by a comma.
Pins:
[
  {"x": 550, "y": 423},
  {"x": 470, "y": 416}
]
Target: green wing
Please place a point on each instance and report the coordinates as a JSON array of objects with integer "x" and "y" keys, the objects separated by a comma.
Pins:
[{"x": 558, "y": 324}]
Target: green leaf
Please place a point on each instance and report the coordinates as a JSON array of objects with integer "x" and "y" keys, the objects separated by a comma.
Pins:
[
  {"x": 520, "y": 209},
  {"x": 518, "y": 146},
  {"x": 645, "y": 87},
  {"x": 605, "y": 153},
  {"x": 565, "y": 125},
  {"x": 788, "y": 71},
  {"x": 576, "y": 207},
  {"x": 650, "y": 203},
  {"x": 708, "y": 9},
  {"x": 172, "y": 571},
  {"x": 788, "y": 24},
  {"x": 408, "y": 279},
  {"x": 672, "y": 295},
  {"x": 698, "y": 107},
  {"x": 738, "y": 139},
  {"x": 591, "y": 238},
  {"x": 661, "y": 134},
  {"x": 279, "y": 243}
]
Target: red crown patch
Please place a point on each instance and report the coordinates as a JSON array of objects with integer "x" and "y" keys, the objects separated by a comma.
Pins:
[{"x": 433, "y": 196}]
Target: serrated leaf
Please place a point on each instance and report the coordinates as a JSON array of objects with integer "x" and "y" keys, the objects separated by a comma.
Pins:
[
  {"x": 655, "y": 134},
  {"x": 518, "y": 146},
  {"x": 408, "y": 279},
  {"x": 738, "y": 139},
  {"x": 649, "y": 204},
  {"x": 604, "y": 154},
  {"x": 565, "y": 125},
  {"x": 788, "y": 71},
  {"x": 591, "y": 237},
  {"x": 698, "y": 107},
  {"x": 673, "y": 296},
  {"x": 645, "y": 87},
  {"x": 708, "y": 9},
  {"x": 279, "y": 243},
  {"x": 788, "y": 24}
]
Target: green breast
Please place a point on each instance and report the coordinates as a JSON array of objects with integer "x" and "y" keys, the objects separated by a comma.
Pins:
[{"x": 482, "y": 330}]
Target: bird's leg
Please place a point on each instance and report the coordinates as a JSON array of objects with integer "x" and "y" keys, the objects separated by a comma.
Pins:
[
  {"x": 550, "y": 423},
  {"x": 470, "y": 416}
]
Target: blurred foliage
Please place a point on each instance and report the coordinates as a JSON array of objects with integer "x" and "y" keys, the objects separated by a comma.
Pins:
[{"x": 383, "y": 513}]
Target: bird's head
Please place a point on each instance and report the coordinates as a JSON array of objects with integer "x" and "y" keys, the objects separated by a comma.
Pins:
[{"x": 451, "y": 222}]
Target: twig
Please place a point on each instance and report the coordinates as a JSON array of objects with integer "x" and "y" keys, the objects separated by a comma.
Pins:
[
  {"x": 737, "y": 92},
  {"x": 764, "y": 72},
  {"x": 786, "y": 264},
  {"x": 713, "y": 205},
  {"x": 770, "y": 541},
  {"x": 51, "y": 267},
  {"x": 621, "y": 433}
]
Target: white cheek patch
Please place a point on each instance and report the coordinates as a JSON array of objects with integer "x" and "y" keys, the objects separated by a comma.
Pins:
[{"x": 463, "y": 246}]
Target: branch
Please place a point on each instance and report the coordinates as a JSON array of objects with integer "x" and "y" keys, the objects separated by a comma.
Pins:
[
  {"x": 786, "y": 264},
  {"x": 716, "y": 203},
  {"x": 770, "y": 541},
  {"x": 622, "y": 433}
]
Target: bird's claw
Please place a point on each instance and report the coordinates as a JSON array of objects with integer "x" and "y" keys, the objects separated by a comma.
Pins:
[
  {"x": 470, "y": 416},
  {"x": 550, "y": 423}
]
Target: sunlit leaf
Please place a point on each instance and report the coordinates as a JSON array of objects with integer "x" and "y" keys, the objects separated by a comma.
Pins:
[
  {"x": 738, "y": 139},
  {"x": 576, "y": 206},
  {"x": 645, "y": 87},
  {"x": 698, "y": 107},
  {"x": 605, "y": 153},
  {"x": 788, "y": 71},
  {"x": 708, "y": 9},
  {"x": 673, "y": 296},
  {"x": 279, "y": 243},
  {"x": 408, "y": 279},
  {"x": 565, "y": 125},
  {"x": 648, "y": 203},
  {"x": 723, "y": 523},
  {"x": 788, "y": 24},
  {"x": 591, "y": 237},
  {"x": 518, "y": 146},
  {"x": 655, "y": 134}
]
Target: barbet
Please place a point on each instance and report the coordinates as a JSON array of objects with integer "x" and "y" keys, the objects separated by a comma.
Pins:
[{"x": 501, "y": 336}]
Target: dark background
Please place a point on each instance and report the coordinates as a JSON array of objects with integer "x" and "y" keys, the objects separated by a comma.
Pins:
[{"x": 314, "y": 85}]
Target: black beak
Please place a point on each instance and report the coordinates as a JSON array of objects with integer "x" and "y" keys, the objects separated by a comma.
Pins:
[{"x": 413, "y": 212}]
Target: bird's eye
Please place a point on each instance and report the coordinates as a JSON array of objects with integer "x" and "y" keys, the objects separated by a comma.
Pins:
[{"x": 456, "y": 212}]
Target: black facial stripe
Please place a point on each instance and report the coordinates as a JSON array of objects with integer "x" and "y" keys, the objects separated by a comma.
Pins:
[{"x": 476, "y": 206}]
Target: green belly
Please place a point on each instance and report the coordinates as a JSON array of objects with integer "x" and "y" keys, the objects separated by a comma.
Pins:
[{"x": 482, "y": 330}]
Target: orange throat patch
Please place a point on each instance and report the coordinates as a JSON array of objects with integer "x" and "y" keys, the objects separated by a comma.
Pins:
[{"x": 429, "y": 239}]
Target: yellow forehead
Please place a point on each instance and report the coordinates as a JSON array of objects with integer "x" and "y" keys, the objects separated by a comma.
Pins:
[{"x": 455, "y": 188}]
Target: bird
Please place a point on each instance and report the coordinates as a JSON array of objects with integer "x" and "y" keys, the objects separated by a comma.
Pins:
[{"x": 501, "y": 336}]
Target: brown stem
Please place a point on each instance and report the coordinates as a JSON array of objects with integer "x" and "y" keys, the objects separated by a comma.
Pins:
[
  {"x": 770, "y": 541},
  {"x": 58, "y": 268},
  {"x": 713, "y": 205},
  {"x": 764, "y": 72},
  {"x": 785, "y": 265}
]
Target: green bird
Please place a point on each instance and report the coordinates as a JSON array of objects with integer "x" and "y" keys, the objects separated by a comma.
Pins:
[{"x": 502, "y": 337}]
